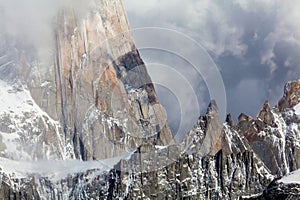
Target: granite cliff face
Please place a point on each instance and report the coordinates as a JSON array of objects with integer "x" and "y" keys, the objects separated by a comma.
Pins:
[
  {"x": 95, "y": 92},
  {"x": 85, "y": 123}
]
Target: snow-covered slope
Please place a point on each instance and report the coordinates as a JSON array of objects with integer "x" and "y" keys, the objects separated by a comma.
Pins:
[
  {"x": 292, "y": 177},
  {"x": 26, "y": 131},
  {"x": 297, "y": 109}
]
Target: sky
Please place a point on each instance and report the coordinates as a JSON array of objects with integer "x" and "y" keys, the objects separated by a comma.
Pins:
[{"x": 254, "y": 44}]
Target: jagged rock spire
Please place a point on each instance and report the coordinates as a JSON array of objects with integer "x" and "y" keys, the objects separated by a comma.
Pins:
[
  {"x": 212, "y": 109},
  {"x": 265, "y": 114},
  {"x": 291, "y": 95},
  {"x": 229, "y": 120},
  {"x": 212, "y": 141}
]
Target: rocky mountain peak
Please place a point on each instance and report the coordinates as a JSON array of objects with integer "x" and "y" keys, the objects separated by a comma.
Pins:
[
  {"x": 212, "y": 109},
  {"x": 291, "y": 95},
  {"x": 212, "y": 140},
  {"x": 229, "y": 120},
  {"x": 244, "y": 117},
  {"x": 265, "y": 114}
]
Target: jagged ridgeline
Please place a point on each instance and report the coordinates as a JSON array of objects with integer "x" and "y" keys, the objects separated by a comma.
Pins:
[{"x": 85, "y": 123}]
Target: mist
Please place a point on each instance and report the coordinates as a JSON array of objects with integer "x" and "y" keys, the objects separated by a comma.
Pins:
[
  {"x": 255, "y": 45},
  {"x": 31, "y": 22}
]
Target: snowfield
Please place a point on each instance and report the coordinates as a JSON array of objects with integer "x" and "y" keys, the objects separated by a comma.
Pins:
[
  {"x": 17, "y": 99},
  {"x": 22, "y": 124},
  {"x": 293, "y": 177}
]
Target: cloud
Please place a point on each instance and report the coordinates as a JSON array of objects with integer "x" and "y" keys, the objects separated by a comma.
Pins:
[
  {"x": 254, "y": 43},
  {"x": 221, "y": 26},
  {"x": 31, "y": 21},
  {"x": 205, "y": 20},
  {"x": 178, "y": 88}
]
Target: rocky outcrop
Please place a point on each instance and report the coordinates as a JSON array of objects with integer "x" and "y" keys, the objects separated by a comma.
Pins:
[
  {"x": 227, "y": 169},
  {"x": 26, "y": 191},
  {"x": 229, "y": 120},
  {"x": 291, "y": 95},
  {"x": 265, "y": 115},
  {"x": 274, "y": 133},
  {"x": 212, "y": 140},
  {"x": 97, "y": 57}
]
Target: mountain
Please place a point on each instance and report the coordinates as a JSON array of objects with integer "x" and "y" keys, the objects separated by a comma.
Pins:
[
  {"x": 92, "y": 100},
  {"x": 85, "y": 123}
]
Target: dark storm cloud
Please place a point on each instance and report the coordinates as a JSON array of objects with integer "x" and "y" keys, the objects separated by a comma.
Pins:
[{"x": 256, "y": 44}]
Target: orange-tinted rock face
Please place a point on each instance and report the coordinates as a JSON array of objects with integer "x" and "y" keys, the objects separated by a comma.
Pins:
[
  {"x": 97, "y": 86},
  {"x": 291, "y": 95}
]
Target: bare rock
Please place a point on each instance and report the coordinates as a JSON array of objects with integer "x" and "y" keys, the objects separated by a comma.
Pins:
[
  {"x": 229, "y": 120},
  {"x": 266, "y": 115},
  {"x": 212, "y": 141},
  {"x": 291, "y": 95}
]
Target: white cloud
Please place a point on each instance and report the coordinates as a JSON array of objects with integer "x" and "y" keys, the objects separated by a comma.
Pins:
[
  {"x": 286, "y": 17},
  {"x": 31, "y": 21},
  {"x": 204, "y": 20},
  {"x": 220, "y": 26}
]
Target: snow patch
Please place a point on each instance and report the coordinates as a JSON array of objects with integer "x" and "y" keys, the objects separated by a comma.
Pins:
[
  {"x": 293, "y": 177},
  {"x": 24, "y": 123},
  {"x": 45, "y": 83},
  {"x": 160, "y": 147},
  {"x": 17, "y": 99},
  {"x": 262, "y": 134},
  {"x": 297, "y": 109},
  {"x": 252, "y": 196}
]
